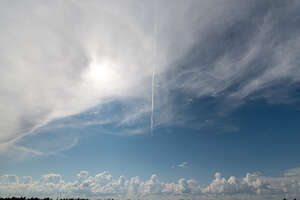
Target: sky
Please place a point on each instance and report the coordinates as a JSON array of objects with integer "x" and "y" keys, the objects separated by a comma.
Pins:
[{"x": 160, "y": 99}]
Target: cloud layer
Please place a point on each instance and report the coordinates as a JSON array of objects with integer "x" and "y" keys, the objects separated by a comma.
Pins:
[
  {"x": 102, "y": 185},
  {"x": 62, "y": 58}
]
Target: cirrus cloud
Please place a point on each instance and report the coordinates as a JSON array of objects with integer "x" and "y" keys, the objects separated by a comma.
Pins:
[{"x": 60, "y": 59}]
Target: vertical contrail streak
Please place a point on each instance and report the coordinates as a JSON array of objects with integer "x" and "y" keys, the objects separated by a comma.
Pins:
[
  {"x": 153, "y": 71},
  {"x": 152, "y": 107}
]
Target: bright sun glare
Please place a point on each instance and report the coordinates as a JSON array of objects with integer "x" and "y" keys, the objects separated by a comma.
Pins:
[{"x": 102, "y": 74}]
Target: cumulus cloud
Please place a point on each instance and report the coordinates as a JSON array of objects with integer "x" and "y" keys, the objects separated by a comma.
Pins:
[
  {"x": 104, "y": 185},
  {"x": 9, "y": 179},
  {"x": 51, "y": 179},
  {"x": 62, "y": 58},
  {"x": 251, "y": 183},
  {"x": 26, "y": 180}
]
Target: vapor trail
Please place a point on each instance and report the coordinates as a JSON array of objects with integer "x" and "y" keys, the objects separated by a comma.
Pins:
[
  {"x": 153, "y": 73},
  {"x": 152, "y": 108}
]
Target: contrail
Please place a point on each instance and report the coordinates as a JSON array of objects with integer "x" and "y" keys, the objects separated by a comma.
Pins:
[
  {"x": 153, "y": 87},
  {"x": 153, "y": 74},
  {"x": 152, "y": 108}
]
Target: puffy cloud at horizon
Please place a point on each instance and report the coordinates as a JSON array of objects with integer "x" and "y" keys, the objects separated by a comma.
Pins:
[{"x": 104, "y": 185}]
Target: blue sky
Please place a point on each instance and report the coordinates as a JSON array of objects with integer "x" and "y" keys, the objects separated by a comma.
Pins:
[
  {"x": 264, "y": 139},
  {"x": 80, "y": 81}
]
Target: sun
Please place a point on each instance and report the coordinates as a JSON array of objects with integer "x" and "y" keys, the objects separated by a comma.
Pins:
[{"x": 102, "y": 74}]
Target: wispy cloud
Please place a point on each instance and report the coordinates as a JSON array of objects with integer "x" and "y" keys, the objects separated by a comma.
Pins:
[
  {"x": 53, "y": 69},
  {"x": 181, "y": 165}
]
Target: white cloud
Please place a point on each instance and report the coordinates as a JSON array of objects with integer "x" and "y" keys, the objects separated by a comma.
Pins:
[
  {"x": 181, "y": 165},
  {"x": 57, "y": 71},
  {"x": 82, "y": 175},
  {"x": 62, "y": 58},
  {"x": 9, "y": 179},
  {"x": 26, "y": 180},
  {"x": 51, "y": 178},
  {"x": 104, "y": 185}
]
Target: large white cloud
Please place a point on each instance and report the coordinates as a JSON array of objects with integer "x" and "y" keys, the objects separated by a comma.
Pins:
[
  {"x": 252, "y": 186},
  {"x": 50, "y": 69},
  {"x": 62, "y": 58}
]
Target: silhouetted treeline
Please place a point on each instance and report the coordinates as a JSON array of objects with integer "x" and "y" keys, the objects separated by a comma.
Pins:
[{"x": 35, "y": 198}]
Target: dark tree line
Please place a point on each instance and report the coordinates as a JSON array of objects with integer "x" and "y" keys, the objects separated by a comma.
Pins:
[{"x": 35, "y": 198}]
